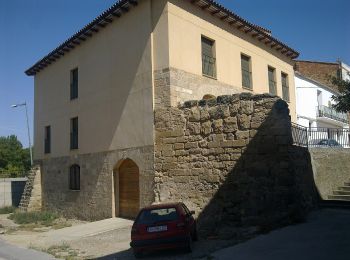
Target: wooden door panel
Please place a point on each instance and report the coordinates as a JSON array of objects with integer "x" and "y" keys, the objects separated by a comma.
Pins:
[{"x": 129, "y": 195}]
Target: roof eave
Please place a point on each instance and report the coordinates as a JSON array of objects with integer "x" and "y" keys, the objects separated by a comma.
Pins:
[
  {"x": 262, "y": 34},
  {"x": 108, "y": 16}
]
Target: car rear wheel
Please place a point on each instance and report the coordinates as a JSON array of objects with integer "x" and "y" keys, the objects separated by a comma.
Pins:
[{"x": 137, "y": 253}]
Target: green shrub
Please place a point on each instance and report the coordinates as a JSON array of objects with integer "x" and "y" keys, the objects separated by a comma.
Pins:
[
  {"x": 43, "y": 218},
  {"x": 7, "y": 210}
]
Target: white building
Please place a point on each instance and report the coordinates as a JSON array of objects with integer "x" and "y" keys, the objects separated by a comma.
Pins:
[
  {"x": 314, "y": 105},
  {"x": 345, "y": 71}
]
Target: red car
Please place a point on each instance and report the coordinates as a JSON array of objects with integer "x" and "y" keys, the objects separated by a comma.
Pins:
[{"x": 163, "y": 226}]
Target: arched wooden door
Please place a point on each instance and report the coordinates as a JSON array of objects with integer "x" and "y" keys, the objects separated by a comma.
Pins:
[{"x": 129, "y": 191}]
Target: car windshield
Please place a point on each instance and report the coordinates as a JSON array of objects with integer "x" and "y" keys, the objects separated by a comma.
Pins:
[{"x": 153, "y": 216}]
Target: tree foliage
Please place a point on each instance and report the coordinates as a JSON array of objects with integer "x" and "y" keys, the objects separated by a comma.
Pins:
[
  {"x": 343, "y": 99},
  {"x": 14, "y": 159}
]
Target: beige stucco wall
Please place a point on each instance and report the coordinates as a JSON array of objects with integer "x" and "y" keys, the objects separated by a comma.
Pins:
[
  {"x": 187, "y": 23},
  {"x": 114, "y": 106}
]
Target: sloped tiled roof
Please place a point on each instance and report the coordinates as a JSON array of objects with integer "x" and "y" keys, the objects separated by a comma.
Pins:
[{"x": 123, "y": 6}]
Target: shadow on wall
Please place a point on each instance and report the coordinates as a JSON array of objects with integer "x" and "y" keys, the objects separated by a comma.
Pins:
[
  {"x": 238, "y": 165},
  {"x": 269, "y": 186}
]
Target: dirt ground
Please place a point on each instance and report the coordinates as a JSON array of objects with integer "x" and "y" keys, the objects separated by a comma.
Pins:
[{"x": 76, "y": 243}]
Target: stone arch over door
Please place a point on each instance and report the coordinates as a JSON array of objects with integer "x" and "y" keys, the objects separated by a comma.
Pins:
[{"x": 127, "y": 189}]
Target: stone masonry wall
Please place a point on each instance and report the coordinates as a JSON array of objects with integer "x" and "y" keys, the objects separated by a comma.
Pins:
[
  {"x": 331, "y": 169},
  {"x": 231, "y": 159},
  {"x": 174, "y": 86},
  {"x": 94, "y": 201}
]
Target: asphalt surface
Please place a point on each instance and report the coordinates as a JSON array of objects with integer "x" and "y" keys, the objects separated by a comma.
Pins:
[
  {"x": 9, "y": 252},
  {"x": 325, "y": 236}
]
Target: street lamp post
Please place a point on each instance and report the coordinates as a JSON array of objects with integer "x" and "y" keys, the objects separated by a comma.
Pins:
[{"x": 30, "y": 144}]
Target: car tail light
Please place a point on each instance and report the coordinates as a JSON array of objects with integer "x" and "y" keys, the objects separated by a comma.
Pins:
[{"x": 134, "y": 230}]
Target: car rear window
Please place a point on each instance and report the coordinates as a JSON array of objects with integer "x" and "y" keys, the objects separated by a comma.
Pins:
[{"x": 154, "y": 216}]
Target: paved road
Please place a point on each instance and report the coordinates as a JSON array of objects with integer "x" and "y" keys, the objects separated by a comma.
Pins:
[
  {"x": 9, "y": 252},
  {"x": 325, "y": 236}
]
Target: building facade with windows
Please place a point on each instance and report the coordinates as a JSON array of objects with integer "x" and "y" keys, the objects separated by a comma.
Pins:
[
  {"x": 96, "y": 93},
  {"x": 314, "y": 91}
]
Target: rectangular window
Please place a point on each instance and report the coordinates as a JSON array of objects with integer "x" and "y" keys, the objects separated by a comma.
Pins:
[
  {"x": 74, "y": 177},
  {"x": 208, "y": 58},
  {"x": 74, "y": 84},
  {"x": 74, "y": 133},
  {"x": 246, "y": 72},
  {"x": 272, "y": 81},
  {"x": 285, "y": 86},
  {"x": 47, "y": 142}
]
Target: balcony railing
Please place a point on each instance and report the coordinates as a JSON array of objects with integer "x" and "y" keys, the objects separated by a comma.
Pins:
[
  {"x": 320, "y": 137},
  {"x": 323, "y": 111}
]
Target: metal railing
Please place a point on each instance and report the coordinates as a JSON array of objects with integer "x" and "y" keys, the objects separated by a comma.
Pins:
[
  {"x": 320, "y": 137},
  {"x": 323, "y": 111},
  {"x": 299, "y": 134}
]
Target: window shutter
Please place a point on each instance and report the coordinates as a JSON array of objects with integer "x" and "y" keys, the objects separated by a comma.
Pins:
[
  {"x": 245, "y": 63},
  {"x": 207, "y": 47}
]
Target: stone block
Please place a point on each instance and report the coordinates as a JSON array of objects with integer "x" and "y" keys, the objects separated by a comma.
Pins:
[
  {"x": 179, "y": 146},
  {"x": 243, "y": 121},
  {"x": 181, "y": 152},
  {"x": 165, "y": 147},
  {"x": 230, "y": 125},
  {"x": 218, "y": 126},
  {"x": 176, "y": 132},
  {"x": 204, "y": 114},
  {"x": 246, "y": 107},
  {"x": 213, "y": 144},
  {"x": 219, "y": 112},
  {"x": 195, "y": 115},
  {"x": 182, "y": 139},
  {"x": 238, "y": 143},
  {"x": 193, "y": 128},
  {"x": 168, "y": 153},
  {"x": 206, "y": 128},
  {"x": 198, "y": 171},
  {"x": 195, "y": 151},
  {"x": 242, "y": 135},
  {"x": 179, "y": 172}
]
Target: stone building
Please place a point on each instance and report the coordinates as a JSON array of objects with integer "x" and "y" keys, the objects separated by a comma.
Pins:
[{"x": 97, "y": 94}]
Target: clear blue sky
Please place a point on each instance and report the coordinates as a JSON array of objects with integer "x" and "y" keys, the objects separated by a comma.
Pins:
[{"x": 318, "y": 29}]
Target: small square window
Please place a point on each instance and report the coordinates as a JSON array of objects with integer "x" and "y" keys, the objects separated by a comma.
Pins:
[
  {"x": 74, "y": 138},
  {"x": 47, "y": 141},
  {"x": 74, "y": 177}
]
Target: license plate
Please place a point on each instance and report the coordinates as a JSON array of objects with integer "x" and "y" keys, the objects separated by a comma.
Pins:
[{"x": 157, "y": 229}]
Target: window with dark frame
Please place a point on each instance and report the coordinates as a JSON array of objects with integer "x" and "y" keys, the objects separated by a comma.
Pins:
[
  {"x": 74, "y": 84},
  {"x": 208, "y": 57},
  {"x": 47, "y": 142},
  {"x": 272, "y": 81},
  {"x": 285, "y": 87},
  {"x": 74, "y": 133},
  {"x": 246, "y": 72},
  {"x": 74, "y": 177}
]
